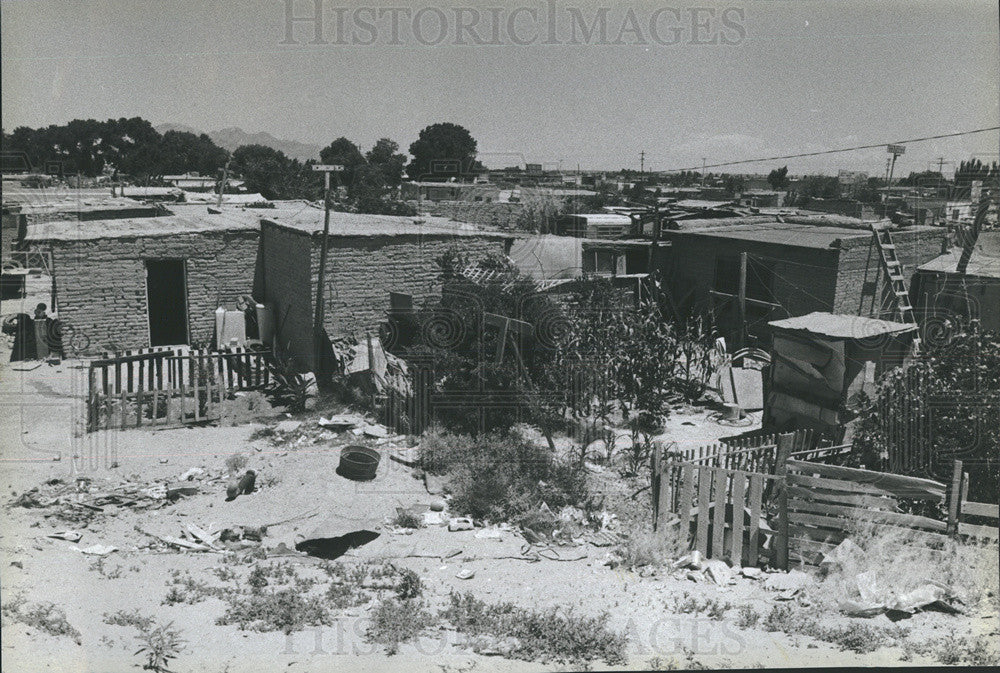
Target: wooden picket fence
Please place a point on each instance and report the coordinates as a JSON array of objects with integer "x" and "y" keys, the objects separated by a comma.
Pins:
[
  {"x": 721, "y": 511},
  {"x": 804, "y": 509},
  {"x": 162, "y": 387},
  {"x": 759, "y": 453}
]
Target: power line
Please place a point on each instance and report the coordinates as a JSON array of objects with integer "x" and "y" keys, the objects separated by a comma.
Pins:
[{"x": 836, "y": 151}]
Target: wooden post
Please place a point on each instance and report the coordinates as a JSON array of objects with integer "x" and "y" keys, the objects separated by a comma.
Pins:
[
  {"x": 742, "y": 300},
  {"x": 955, "y": 498},
  {"x": 785, "y": 444}
]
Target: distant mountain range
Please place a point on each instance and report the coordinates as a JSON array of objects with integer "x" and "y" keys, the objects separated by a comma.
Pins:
[{"x": 233, "y": 137}]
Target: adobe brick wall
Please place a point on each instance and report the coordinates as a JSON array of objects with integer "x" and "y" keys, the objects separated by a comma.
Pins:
[
  {"x": 362, "y": 271},
  {"x": 861, "y": 281},
  {"x": 101, "y": 284}
]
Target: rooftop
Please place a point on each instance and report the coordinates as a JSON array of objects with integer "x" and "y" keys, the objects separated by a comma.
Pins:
[
  {"x": 65, "y": 204},
  {"x": 984, "y": 262},
  {"x": 780, "y": 233},
  {"x": 310, "y": 221},
  {"x": 837, "y": 326},
  {"x": 184, "y": 220}
]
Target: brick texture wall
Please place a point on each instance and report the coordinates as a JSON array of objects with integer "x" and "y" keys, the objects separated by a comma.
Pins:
[
  {"x": 861, "y": 283},
  {"x": 101, "y": 284},
  {"x": 362, "y": 271}
]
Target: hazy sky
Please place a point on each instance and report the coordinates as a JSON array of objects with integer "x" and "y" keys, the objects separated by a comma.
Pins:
[{"x": 782, "y": 77}]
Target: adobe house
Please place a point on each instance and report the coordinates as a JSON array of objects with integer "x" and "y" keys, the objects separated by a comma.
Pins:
[
  {"x": 369, "y": 256},
  {"x": 793, "y": 268},
  {"x": 135, "y": 282}
]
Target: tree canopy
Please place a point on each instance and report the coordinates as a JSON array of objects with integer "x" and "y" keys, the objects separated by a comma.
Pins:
[
  {"x": 441, "y": 151},
  {"x": 778, "y": 178}
]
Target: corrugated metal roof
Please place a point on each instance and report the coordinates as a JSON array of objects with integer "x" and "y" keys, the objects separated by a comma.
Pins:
[
  {"x": 779, "y": 233},
  {"x": 602, "y": 218},
  {"x": 838, "y": 326}
]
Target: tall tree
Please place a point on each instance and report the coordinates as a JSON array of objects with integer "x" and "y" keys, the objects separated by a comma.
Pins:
[
  {"x": 442, "y": 151},
  {"x": 345, "y": 153},
  {"x": 778, "y": 179},
  {"x": 386, "y": 157}
]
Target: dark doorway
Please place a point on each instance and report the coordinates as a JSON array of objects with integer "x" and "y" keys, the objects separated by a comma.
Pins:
[{"x": 166, "y": 298}]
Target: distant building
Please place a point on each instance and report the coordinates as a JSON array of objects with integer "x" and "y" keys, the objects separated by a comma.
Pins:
[
  {"x": 793, "y": 268},
  {"x": 762, "y": 198},
  {"x": 944, "y": 294},
  {"x": 595, "y": 225}
]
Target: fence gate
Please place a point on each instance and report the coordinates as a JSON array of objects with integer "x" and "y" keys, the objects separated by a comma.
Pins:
[
  {"x": 163, "y": 387},
  {"x": 719, "y": 512}
]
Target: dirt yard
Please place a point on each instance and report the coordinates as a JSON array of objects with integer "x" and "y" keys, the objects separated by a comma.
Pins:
[{"x": 669, "y": 620}]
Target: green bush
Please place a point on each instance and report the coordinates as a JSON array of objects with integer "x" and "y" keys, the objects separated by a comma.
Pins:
[
  {"x": 397, "y": 621},
  {"x": 499, "y": 477}
]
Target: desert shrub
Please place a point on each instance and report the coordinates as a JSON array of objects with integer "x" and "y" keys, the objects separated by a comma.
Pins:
[
  {"x": 550, "y": 635},
  {"x": 646, "y": 548},
  {"x": 134, "y": 618},
  {"x": 501, "y": 476},
  {"x": 405, "y": 519},
  {"x": 747, "y": 617},
  {"x": 287, "y": 610},
  {"x": 397, "y": 621},
  {"x": 42, "y": 616}
]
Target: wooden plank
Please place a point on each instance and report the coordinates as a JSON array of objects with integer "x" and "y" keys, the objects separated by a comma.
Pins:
[
  {"x": 719, "y": 515},
  {"x": 977, "y": 531},
  {"x": 846, "y": 514},
  {"x": 785, "y": 446},
  {"x": 826, "y": 535},
  {"x": 129, "y": 366},
  {"x": 753, "y": 540},
  {"x": 138, "y": 407},
  {"x": 195, "y": 375},
  {"x": 857, "y": 500},
  {"x": 121, "y": 409},
  {"x": 739, "y": 502},
  {"x": 835, "y": 485},
  {"x": 155, "y": 407},
  {"x": 894, "y": 483},
  {"x": 704, "y": 498},
  {"x": 981, "y": 509},
  {"x": 687, "y": 492},
  {"x": 118, "y": 377},
  {"x": 954, "y": 496}
]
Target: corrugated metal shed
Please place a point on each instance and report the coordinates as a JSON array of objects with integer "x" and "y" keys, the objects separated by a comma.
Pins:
[
  {"x": 985, "y": 260},
  {"x": 836, "y": 326}
]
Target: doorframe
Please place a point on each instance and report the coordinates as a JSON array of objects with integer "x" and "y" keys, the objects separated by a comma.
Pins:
[{"x": 187, "y": 312}]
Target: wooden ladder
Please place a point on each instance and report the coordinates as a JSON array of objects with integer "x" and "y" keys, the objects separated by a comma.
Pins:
[{"x": 897, "y": 283}]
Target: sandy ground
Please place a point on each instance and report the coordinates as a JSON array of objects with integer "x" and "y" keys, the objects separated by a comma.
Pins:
[{"x": 40, "y": 430}]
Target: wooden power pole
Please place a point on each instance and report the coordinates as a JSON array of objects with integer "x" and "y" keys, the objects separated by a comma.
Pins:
[{"x": 318, "y": 331}]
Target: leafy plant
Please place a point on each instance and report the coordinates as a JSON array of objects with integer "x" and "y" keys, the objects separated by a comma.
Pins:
[
  {"x": 42, "y": 616},
  {"x": 159, "y": 646},
  {"x": 397, "y": 621}
]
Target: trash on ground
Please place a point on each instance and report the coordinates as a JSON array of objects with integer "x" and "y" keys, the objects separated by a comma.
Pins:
[
  {"x": 68, "y": 535},
  {"x": 460, "y": 523},
  {"x": 466, "y": 574},
  {"x": 97, "y": 550}
]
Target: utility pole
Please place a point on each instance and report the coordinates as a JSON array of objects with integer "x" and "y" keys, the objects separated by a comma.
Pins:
[
  {"x": 642, "y": 161},
  {"x": 742, "y": 299},
  {"x": 703, "y": 172},
  {"x": 318, "y": 331}
]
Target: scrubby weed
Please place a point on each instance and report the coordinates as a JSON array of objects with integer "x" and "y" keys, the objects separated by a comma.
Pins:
[
  {"x": 856, "y": 636},
  {"x": 42, "y": 616},
  {"x": 159, "y": 646},
  {"x": 646, "y": 548},
  {"x": 134, "y": 618},
  {"x": 405, "y": 519},
  {"x": 550, "y": 635},
  {"x": 396, "y": 621},
  {"x": 712, "y": 608},
  {"x": 499, "y": 477},
  {"x": 747, "y": 617},
  {"x": 287, "y": 610},
  {"x": 955, "y": 650}
]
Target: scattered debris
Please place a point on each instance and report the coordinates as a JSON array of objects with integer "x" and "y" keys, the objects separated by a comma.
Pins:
[
  {"x": 97, "y": 550},
  {"x": 247, "y": 482},
  {"x": 466, "y": 574},
  {"x": 68, "y": 535},
  {"x": 340, "y": 423},
  {"x": 460, "y": 523},
  {"x": 287, "y": 427},
  {"x": 718, "y": 572}
]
